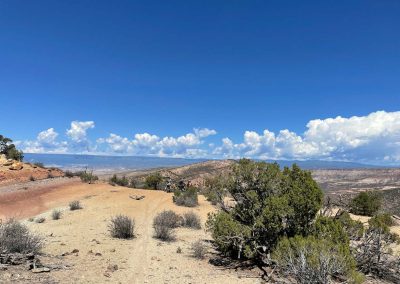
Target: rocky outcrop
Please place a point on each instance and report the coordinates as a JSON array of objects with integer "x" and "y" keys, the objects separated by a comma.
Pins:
[{"x": 16, "y": 166}]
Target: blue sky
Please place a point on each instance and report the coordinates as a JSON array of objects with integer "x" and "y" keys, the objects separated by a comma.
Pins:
[{"x": 74, "y": 72}]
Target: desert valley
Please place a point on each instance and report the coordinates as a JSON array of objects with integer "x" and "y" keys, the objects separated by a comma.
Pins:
[{"x": 78, "y": 247}]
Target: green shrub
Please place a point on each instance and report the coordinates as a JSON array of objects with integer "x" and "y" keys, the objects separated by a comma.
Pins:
[
  {"x": 188, "y": 198},
  {"x": 16, "y": 238},
  {"x": 192, "y": 220},
  {"x": 383, "y": 220},
  {"x": 366, "y": 203},
  {"x": 353, "y": 228},
  {"x": 9, "y": 149},
  {"x": 268, "y": 204},
  {"x": 88, "y": 177},
  {"x": 122, "y": 227},
  {"x": 153, "y": 181},
  {"x": 312, "y": 260},
  {"x": 215, "y": 189},
  {"x": 115, "y": 180},
  {"x": 75, "y": 205}
]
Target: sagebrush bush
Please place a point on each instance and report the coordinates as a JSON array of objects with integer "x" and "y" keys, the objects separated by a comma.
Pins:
[
  {"x": 191, "y": 220},
  {"x": 366, "y": 203},
  {"x": 88, "y": 177},
  {"x": 164, "y": 224},
  {"x": 56, "y": 214},
  {"x": 199, "y": 249},
  {"x": 164, "y": 233},
  {"x": 16, "y": 238},
  {"x": 168, "y": 218},
  {"x": 75, "y": 205},
  {"x": 188, "y": 198},
  {"x": 122, "y": 227}
]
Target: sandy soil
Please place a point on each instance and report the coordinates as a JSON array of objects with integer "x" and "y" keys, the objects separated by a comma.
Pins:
[{"x": 140, "y": 260}]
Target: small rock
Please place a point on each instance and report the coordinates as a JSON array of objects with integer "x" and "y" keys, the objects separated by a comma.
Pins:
[
  {"x": 75, "y": 251},
  {"x": 112, "y": 268},
  {"x": 112, "y": 250},
  {"x": 40, "y": 270},
  {"x": 107, "y": 274},
  {"x": 98, "y": 254}
]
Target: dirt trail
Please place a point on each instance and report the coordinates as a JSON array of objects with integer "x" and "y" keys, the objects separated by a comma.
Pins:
[
  {"x": 143, "y": 259},
  {"x": 35, "y": 199}
]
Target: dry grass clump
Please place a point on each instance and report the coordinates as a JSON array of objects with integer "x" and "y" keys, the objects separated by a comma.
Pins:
[
  {"x": 40, "y": 220},
  {"x": 75, "y": 205},
  {"x": 164, "y": 223},
  {"x": 16, "y": 238},
  {"x": 192, "y": 220},
  {"x": 199, "y": 249},
  {"x": 122, "y": 227},
  {"x": 56, "y": 214}
]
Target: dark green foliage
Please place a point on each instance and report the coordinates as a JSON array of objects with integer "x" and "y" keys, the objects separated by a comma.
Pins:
[
  {"x": 353, "y": 228},
  {"x": 366, "y": 203},
  {"x": 115, "y": 180},
  {"x": 215, "y": 189},
  {"x": 191, "y": 220},
  {"x": 312, "y": 259},
  {"x": 229, "y": 235},
  {"x": 383, "y": 221},
  {"x": 121, "y": 227},
  {"x": 88, "y": 177},
  {"x": 9, "y": 149},
  {"x": 188, "y": 198},
  {"x": 153, "y": 181},
  {"x": 269, "y": 204},
  {"x": 75, "y": 205},
  {"x": 16, "y": 238}
]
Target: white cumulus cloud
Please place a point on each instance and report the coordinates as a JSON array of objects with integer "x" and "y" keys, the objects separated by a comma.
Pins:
[{"x": 371, "y": 138}]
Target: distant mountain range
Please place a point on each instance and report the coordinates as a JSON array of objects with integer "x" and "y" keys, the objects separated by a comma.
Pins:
[{"x": 119, "y": 163}]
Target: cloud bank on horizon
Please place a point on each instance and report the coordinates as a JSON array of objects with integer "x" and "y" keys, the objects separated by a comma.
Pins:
[{"x": 374, "y": 138}]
